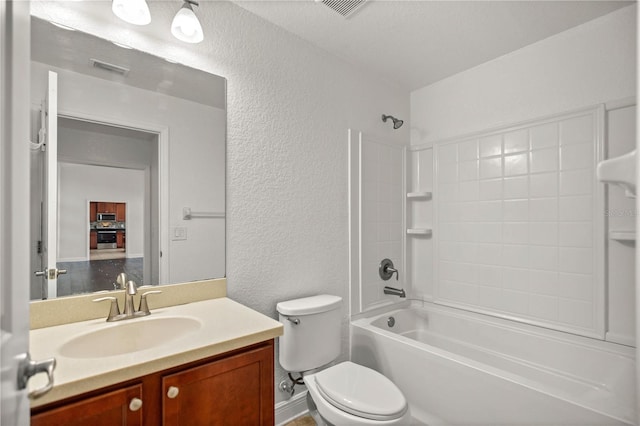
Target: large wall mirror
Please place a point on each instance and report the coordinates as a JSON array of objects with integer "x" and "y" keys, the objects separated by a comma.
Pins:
[{"x": 127, "y": 166}]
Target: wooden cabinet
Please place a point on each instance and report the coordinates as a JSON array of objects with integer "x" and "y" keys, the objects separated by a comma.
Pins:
[
  {"x": 93, "y": 211},
  {"x": 120, "y": 239},
  {"x": 118, "y": 407},
  {"x": 121, "y": 212},
  {"x": 106, "y": 207},
  {"x": 233, "y": 391},
  {"x": 236, "y": 388},
  {"x": 93, "y": 240}
]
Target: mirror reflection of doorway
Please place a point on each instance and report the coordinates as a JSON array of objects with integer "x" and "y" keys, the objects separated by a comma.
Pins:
[{"x": 108, "y": 230}]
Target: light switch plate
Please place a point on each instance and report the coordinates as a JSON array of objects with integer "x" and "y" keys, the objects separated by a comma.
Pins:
[{"x": 179, "y": 233}]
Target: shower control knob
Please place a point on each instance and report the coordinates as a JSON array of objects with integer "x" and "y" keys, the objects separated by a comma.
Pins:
[{"x": 172, "y": 392}]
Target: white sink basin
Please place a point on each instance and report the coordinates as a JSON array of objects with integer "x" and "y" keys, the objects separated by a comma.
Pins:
[{"x": 128, "y": 336}]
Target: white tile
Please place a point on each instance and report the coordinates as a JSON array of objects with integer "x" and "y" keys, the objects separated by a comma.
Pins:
[
  {"x": 575, "y": 234},
  {"x": 576, "y": 156},
  {"x": 575, "y": 286},
  {"x": 449, "y": 250},
  {"x": 517, "y": 164},
  {"x": 489, "y": 211},
  {"x": 490, "y": 146},
  {"x": 448, "y": 270},
  {"x": 543, "y": 257},
  {"x": 544, "y": 185},
  {"x": 489, "y": 254},
  {"x": 489, "y": 275},
  {"x": 544, "y": 160},
  {"x": 576, "y": 312},
  {"x": 491, "y": 189},
  {"x": 370, "y": 191},
  {"x": 448, "y": 173},
  {"x": 468, "y": 170},
  {"x": 448, "y": 232},
  {"x": 370, "y": 171},
  {"x": 468, "y": 150},
  {"x": 468, "y": 211},
  {"x": 575, "y": 208},
  {"x": 577, "y": 130},
  {"x": 516, "y": 187},
  {"x": 544, "y": 307},
  {"x": 545, "y": 135},
  {"x": 543, "y": 282},
  {"x": 385, "y": 191},
  {"x": 576, "y": 182},
  {"x": 447, "y": 192},
  {"x": 515, "y": 279},
  {"x": 449, "y": 212},
  {"x": 467, "y": 252},
  {"x": 384, "y": 212},
  {"x": 515, "y": 233},
  {"x": 490, "y": 168},
  {"x": 516, "y": 210},
  {"x": 515, "y": 256},
  {"x": 460, "y": 292},
  {"x": 543, "y": 233},
  {"x": 576, "y": 260},
  {"x": 469, "y": 190},
  {"x": 543, "y": 209},
  {"x": 490, "y": 297},
  {"x": 396, "y": 212},
  {"x": 515, "y": 301},
  {"x": 387, "y": 160},
  {"x": 467, "y": 232},
  {"x": 447, "y": 153},
  {"x": 384, "y": 232},
  {"x": 489, "y": 232},
  {"x": 517, "y": 141}
]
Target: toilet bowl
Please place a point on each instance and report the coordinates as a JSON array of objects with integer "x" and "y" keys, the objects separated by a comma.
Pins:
[{"x": 350, "y": 394}]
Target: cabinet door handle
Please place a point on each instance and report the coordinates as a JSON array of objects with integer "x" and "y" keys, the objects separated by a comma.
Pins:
[
  {"x": 173, "y": 392},
  {"x": 135, "y": 404}
]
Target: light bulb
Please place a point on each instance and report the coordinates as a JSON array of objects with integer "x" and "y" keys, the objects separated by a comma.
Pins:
[
  {"x": 185, "y": 25},
  {"x": 132, "y": 11}
]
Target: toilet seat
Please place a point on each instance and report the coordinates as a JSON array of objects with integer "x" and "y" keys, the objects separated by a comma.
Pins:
[{"x": 361, "y": 391}]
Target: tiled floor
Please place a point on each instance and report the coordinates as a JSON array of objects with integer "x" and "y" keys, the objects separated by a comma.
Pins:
[
  {"x": 96, "y": 275},
  {"x": 306, "y": 420}
]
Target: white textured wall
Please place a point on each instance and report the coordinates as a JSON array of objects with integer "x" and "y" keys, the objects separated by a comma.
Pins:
[
  {"x": 589, "y": 64},
  {"x": 289, "y": 108}
]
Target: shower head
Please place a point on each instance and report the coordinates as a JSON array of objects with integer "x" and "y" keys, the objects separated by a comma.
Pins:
[{"x": 396, "y": 122}]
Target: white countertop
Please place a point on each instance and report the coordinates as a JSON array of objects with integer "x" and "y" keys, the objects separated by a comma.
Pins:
[{"x": 226, "y": 325}]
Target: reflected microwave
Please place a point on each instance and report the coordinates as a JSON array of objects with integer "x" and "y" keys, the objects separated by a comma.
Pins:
[{"x": 106, "y": 217}]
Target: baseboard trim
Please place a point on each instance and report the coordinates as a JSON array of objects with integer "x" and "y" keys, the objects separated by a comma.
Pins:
[{"x": 294, "y": 407}]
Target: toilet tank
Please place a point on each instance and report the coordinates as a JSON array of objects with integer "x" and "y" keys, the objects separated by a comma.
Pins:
[{"x": 312, "y": 332}]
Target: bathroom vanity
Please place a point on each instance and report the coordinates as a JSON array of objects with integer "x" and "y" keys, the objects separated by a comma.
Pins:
[{"x": 204, "y": 362}]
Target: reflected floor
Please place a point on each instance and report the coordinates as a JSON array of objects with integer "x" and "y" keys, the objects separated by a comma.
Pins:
[{"x": 97, "y": 275}]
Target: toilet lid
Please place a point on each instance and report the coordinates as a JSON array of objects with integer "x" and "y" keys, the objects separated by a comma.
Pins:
[{"x": 361, "y": 391}]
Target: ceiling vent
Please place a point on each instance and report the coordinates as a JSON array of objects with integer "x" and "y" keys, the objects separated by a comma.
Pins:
[
  {"x": 345, "y": 8},
  {"x": 96, "y": 63}
]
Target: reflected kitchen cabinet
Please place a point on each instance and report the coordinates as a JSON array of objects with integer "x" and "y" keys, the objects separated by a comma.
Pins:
[
  {"x": 120, "y": 212},
  {"x": 93, "y": 211},
  {"x": 93, "y": 240}
]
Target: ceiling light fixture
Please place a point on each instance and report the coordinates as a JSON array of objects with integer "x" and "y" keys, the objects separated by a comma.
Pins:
[
  {"x": 132, "y": 11},
  {"x": 185, "y": 25}
]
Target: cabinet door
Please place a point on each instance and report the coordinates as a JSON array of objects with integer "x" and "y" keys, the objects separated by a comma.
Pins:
[
  {"x": 120, "y": 240},
  {"x": 121, "y": 212},
  {"x": 232, "y": 391},
  {"x": 114, "y": 408},
  {"x": 93, "y": 211},
  {"x": 93, "y": 240}
]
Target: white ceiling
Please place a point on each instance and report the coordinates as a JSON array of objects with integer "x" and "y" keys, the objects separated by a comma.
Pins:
[{"x": 416, "y": 43}]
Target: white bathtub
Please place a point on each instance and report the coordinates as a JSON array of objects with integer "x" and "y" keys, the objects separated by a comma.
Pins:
[{"x": 461, "y": 368}]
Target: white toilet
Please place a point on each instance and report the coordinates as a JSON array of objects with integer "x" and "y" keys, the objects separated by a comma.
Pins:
[{"x": 346, "y": 393}]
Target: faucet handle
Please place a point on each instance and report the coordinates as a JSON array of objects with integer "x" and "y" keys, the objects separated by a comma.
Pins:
[
  {"x": 114, "y": 311},
  {"x": 143, "y": 309}
]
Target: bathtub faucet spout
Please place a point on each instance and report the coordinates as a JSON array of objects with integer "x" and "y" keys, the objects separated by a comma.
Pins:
[{"x": 395, "y": 291}]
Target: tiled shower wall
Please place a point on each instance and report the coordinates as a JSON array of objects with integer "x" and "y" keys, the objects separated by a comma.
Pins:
[
  {"x": 516, "y": 220},
  {"x": 377, "y": 233}
]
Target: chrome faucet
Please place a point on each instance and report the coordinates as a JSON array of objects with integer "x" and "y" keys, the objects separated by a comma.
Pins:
[
  {"x": 129, "y": 310},
  {"x": 395, "y": 291}
]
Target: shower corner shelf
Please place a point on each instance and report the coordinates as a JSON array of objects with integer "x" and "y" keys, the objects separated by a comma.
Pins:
[
  {"x": 419, "y": 194},
  {"x": 419, "y": 231},
  {"x": 622, "y": 235}
]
